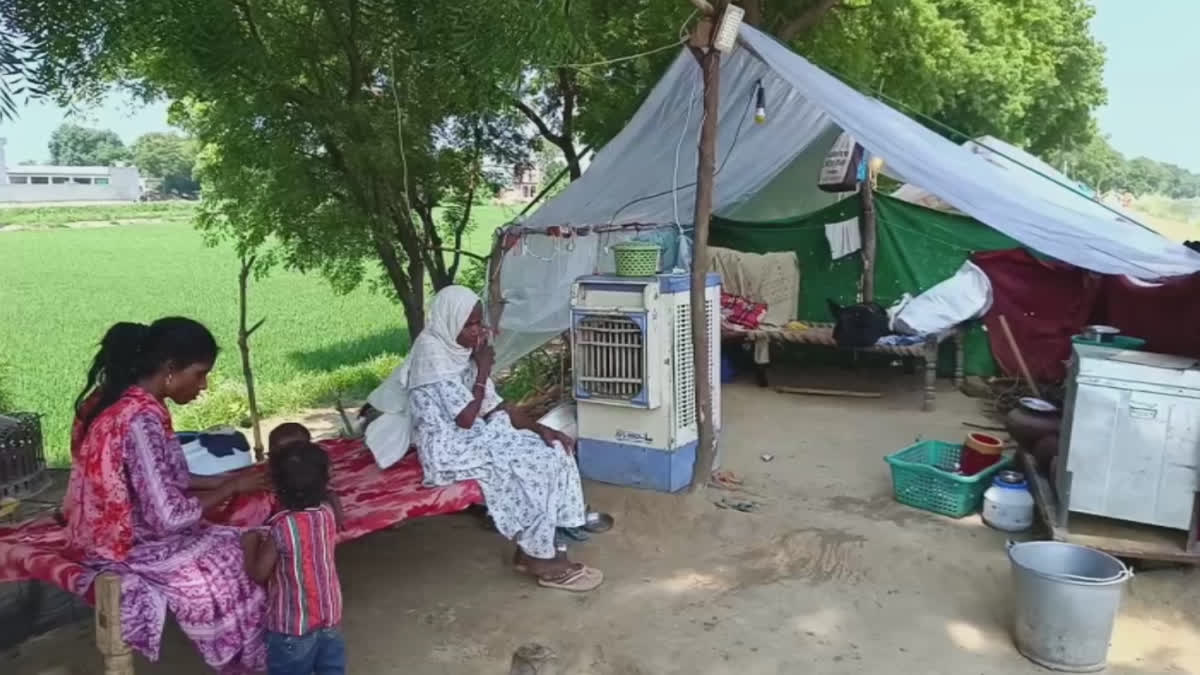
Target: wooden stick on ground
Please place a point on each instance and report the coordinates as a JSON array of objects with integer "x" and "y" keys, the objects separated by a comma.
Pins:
[
  {"x": 1012, "y": 344},
  {"x": 813, "y": 391},
  {"x": 118, "y": 658}
]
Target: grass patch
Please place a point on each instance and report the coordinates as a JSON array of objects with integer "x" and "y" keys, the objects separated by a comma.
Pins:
[
  {"x": 60, "y": 289},
  {"x": 50, "y": 217}
]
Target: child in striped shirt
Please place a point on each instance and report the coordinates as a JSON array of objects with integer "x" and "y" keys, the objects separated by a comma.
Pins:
[{"x": 294, "y": 557}]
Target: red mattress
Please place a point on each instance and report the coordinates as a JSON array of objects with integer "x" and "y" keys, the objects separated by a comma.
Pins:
[{"x": 372, "y": 499}]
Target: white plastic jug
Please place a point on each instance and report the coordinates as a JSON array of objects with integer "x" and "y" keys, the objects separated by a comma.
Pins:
[{"x": 1007, "y": 504}]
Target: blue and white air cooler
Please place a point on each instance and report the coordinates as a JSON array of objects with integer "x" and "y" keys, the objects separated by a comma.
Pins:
[{"x": 633, "y": 377}]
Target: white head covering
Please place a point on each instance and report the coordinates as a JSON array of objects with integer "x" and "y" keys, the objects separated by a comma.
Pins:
[{"x": 435, "y": 356}]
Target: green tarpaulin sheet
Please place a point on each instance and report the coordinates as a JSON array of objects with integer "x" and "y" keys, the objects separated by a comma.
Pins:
[{"x": 917, "y": 248}]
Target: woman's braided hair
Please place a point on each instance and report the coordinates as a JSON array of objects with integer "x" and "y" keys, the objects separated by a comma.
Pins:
[{"x": 130, "y": 351}]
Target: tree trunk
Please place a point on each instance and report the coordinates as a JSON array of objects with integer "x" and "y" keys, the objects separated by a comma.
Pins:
[
  {"x": 571, "y": 157},
  {"x": 710, "y": 65},
  {"x": 402, "y": 284},
  {"x": 806, "y": 21},
  {"x": 868, "y": 231},
  {"x": 243, "y": 340}
]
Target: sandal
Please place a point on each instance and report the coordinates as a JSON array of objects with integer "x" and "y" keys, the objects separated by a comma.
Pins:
[
  {"x": 597, "y": 522},
  {"x": 578, "y": 578}
]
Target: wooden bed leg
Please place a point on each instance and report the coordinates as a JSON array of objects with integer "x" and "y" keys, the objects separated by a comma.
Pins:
[
  {"x": 118, "y": 658},
  {"x": 930, "y": 376},
  {"x": 762, "y": 358},
  {"x": 959, "y": 358}
]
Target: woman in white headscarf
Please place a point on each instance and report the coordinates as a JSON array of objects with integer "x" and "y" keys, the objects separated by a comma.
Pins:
[{"x": 464, "y": 431}]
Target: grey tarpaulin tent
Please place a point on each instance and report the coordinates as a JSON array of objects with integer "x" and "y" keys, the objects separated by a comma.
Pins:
[{"x": 643, "y": 178}]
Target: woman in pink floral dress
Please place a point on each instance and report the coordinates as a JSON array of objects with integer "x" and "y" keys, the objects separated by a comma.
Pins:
[{"x": 133, "y": 509}]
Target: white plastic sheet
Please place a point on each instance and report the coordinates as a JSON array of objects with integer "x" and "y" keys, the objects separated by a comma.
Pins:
[{"x": 966, "y": 295}]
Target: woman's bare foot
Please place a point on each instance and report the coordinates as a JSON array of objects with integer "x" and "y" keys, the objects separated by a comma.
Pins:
[{"x": 543, "y": 568}]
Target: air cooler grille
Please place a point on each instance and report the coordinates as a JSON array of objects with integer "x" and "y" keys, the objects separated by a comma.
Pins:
[
  {"x": 611, "y": 357},
  {"x": 685, "y": 373}
]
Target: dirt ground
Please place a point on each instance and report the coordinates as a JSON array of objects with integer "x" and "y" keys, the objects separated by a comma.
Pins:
[{"x": 829, "y": 576}]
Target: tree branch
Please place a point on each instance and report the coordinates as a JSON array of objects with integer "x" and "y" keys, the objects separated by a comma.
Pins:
[
  {"x": 803, "y": 23},
  {"x": 538, "y": 122},
  {"x": 459, "y": 251},
  {"x": 472, "y": 184},
  {"x": 243, "y": 8}
]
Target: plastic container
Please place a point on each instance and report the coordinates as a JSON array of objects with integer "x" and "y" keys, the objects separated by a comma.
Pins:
[
  {"x": 925, "y": 475},
  {"x": 1065, "y": 601},
  {"x": 979, "y": 452},
  {"x": 637, "y": 258},
  {"x": 1007, "y": 504}
]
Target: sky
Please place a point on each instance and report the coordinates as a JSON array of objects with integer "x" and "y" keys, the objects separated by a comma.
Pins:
[
  {"x": 1153, "y": 105},
  {"x": 1153, "y": 92}
]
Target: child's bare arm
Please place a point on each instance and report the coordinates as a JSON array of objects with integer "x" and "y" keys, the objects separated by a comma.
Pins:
[{"x": 260, "y": 554}]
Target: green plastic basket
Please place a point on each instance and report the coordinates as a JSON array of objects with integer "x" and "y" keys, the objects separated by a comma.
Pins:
[
  {"x": 637, "y": 258},
  {"x": 923, "y": 476}
]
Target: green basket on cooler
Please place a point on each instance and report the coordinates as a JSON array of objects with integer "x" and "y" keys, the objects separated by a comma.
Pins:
[
  {"x": 923, "y": 476},
  {"x": 637, "y": 258}
]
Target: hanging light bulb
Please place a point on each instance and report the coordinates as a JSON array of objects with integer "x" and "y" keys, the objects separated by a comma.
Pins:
[{"x": 760, "y": 105}]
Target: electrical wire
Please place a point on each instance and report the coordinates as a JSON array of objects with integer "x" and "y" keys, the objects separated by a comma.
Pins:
[
  {"x": 683, "y": 37},
  {"x": 619, "y": 59},
  {"x": 728, "y": 153},
  {"x": 678, "y": 147}
]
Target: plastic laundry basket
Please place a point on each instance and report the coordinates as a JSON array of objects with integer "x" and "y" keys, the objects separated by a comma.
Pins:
[
  {"x": 923, "y": 475},
  {"x": 637, "y": 258}
]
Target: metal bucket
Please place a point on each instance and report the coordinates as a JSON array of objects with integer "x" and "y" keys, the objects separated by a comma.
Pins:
[{"x": 1065, "y": 602}]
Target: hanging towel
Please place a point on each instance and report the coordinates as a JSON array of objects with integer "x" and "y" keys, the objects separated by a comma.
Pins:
[{"x": 844, "y": 238}]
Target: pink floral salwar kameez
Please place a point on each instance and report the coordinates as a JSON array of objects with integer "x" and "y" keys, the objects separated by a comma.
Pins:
[{"x": 174, "y": 560}]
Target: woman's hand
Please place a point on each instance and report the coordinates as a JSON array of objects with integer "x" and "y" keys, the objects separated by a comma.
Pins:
[
  {"x": 550, "y": 436},
  {"x": 485, "y": 359},
  {"x": 250, "y": 482}
]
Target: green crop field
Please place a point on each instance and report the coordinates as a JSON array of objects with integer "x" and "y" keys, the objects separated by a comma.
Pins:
[{"x": 61, "y": 288}]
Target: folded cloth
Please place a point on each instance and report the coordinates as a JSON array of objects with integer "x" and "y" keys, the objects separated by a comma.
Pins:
[
  {"x": 742, "y": 312},
  {"x": 215, "y": 451},
  {"x": 844, "y": 238},
  {"x": 899, "y": 340}
]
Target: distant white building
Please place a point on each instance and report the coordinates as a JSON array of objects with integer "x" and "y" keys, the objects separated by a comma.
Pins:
[
  {"x": 522, "y": 186},
  {"x": 45, "y": 183}
]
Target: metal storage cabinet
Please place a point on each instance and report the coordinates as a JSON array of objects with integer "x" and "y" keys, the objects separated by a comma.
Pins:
[{"x": 1131, "y": 439}]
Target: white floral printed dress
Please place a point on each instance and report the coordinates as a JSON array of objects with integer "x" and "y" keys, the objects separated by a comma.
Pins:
[{"x": 530, "y": 488}]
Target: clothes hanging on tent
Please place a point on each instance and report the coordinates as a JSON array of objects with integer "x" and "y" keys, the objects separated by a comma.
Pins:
[{"x": 844, "y": 238}]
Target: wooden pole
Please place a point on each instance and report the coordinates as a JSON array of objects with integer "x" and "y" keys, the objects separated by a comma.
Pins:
[
  {"x": 244, "y": 333},
  {"x": 866, "y": 224},
  {"x": 1016, "y": 350},
  {"x": 118, "y": 658},
  {"x": 710, "y": 67},
  {"x": 495, "y": 297}
]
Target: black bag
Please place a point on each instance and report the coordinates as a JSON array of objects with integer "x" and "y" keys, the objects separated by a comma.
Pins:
[{"x": 858, "y": 326}]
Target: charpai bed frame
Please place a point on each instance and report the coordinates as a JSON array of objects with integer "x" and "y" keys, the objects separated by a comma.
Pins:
[{"x": 372, "y": 499}]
